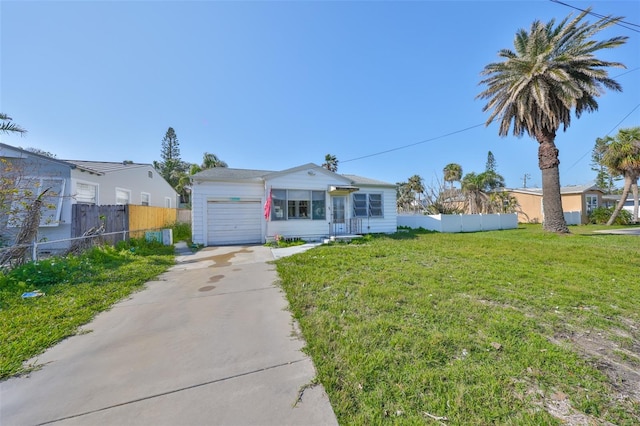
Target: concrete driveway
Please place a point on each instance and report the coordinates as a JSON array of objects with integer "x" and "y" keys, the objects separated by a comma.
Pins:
[
  {"x": 622, "y": 231},
  {"x": 209, "y": 343}
]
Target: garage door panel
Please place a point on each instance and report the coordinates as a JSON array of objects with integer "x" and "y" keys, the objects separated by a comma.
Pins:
[{"x": 234, "y": 223}]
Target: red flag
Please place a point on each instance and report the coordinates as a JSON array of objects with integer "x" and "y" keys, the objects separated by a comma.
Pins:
[{"x": 267, "y": 206}]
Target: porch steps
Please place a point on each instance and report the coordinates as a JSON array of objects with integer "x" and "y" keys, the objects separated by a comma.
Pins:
[{"x": 345, "y": 238}]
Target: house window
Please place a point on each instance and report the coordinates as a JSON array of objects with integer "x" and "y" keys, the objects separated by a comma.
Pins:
[
  {"x": 592, "y": 202},
  {"x": 123, "y": 196},
  {"x": 292, "y": 204},
  {"x": 298, "y": 204},
  {"x": 318, "y": 205},
  {"x": 51, "y": 201},
  {"x": 145, "y": 197},
  {"x": 367, "y": 205},
  {"x": 86, "y": 193},
  {"x": 167, "y": 202},
  {"x": 150, "y": 174},
  {"x": 278, "y": 204}
]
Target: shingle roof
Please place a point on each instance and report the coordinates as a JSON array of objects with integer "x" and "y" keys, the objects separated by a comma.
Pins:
[
  {"x": 359, "y": 180},
  {"x": 229, "y": 174},
  {"x": 226, "y": 173},
  {"x": 102, "y": 167},
  {"x": 570, "y": 189}
]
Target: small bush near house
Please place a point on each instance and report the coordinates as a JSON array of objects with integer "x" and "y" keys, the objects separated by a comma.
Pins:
[
  {"x": 74, "y": 289},
  {"x": 601, "y": 215},
  {"x": 181, "y": 231}
]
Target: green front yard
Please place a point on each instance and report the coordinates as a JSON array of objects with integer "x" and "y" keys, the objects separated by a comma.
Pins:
[
  {"x": 75, "y": 289},
  {"x": 505, "y": 327}
]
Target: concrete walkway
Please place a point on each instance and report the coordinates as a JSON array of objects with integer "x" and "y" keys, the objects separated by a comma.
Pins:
[
  {"x": 621, "y": 231},
  {"x": 209, "y": 343}
]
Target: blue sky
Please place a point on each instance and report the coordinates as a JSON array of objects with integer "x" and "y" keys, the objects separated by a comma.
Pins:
[{"x": 272, "y": 85}]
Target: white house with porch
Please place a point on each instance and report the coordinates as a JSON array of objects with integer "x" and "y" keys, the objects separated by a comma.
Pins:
[{"x": 240, "y": 206}]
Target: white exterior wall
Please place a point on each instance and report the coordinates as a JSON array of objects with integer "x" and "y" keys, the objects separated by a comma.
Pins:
[
  {"x": 33, "y": 167},
  {"x": 135, "y": 178},
  {"x": 379, "y": 225},
  {"x": 311, "y": 179},
  {"x": 202, "y": 192},
  {"x": 318, "y": 181}
]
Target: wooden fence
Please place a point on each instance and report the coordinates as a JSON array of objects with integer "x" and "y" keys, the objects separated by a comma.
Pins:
[
  {"x": 113, "y": 218},
  {"x": 146, "y": 217},
  {"x": 125, "y": 218}
]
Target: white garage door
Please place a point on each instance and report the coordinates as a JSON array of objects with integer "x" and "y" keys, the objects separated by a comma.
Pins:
[{"x": 237, "y": 222}]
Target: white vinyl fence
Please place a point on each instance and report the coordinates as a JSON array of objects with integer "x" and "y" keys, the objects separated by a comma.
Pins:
[
  {"x": 460, "y": 222},
  {"x": 573, "y": 218}
]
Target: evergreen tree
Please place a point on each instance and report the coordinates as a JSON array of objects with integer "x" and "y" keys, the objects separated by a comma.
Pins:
[
  {"x": 491, "y": 163},
  {"x": 170, "y": 146},
  {"x": 172, "y": 168},
  {"x": 491, "y": 178},
  {"x": 604, "y": 179}
]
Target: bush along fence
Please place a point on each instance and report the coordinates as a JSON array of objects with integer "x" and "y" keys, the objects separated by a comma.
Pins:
[{"x": 91, "y": 225}]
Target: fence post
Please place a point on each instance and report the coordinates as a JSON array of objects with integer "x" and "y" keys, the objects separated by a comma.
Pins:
[{"x": 34, "y": 251}]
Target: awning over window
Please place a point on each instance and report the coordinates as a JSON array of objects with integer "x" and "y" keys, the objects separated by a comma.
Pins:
[{"x": 343, "y": 189}]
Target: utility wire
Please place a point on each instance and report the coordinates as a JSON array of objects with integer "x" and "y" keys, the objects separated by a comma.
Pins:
[
  {"x": 620, "y": 23},
  {"x": 473, "y": 127},
  {"x": 614, "y": 127},
  {"x": 413, "y": 144}
]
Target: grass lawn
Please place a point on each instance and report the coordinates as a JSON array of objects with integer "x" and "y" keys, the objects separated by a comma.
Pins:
[
  {"x": 76, "y": 289},
  {"x": 503, "y": 327}
]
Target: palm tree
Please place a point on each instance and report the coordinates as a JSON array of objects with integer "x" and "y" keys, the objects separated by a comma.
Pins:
[
  {"x": 452, "y": 173},
  {"x": 209, "y": 161},
  {"x": 473, "y": 186},
  {"x": 622, "y": 157},
  {"x": 552, "y": 71},
  {"x": 8, "y": 127},
  {"x": 330, "y": 163},
  {"x": 416, "y": 186}
]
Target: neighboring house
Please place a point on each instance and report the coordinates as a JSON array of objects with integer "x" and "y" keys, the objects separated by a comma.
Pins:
[
  {"x": 103, "y": 183},
  {"x": 76, "y": 182},
  {"x": 576, "y": 198},
  {"x": 30, "y": 174},
  {"x": 239, "y": 206},
  {"x": 612, "y": 200}
]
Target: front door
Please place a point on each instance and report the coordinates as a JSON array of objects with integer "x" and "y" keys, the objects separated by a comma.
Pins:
[{"x": 338, "y": 205}]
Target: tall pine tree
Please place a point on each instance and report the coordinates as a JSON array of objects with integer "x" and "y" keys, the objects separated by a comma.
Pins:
[{"x": 171, "y": 167}]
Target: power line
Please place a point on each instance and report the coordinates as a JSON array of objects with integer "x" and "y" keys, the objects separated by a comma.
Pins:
[
  {"x": 620, "y": 23},
  {"x": 413, "y": 144},
  {"x": 614, "y": 127}
]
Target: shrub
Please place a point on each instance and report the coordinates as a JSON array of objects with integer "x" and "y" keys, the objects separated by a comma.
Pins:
[
  {"x": 142, "y": 247},
  {"x": 181, "y": 231},
  {"x": 601, "y": 215}
]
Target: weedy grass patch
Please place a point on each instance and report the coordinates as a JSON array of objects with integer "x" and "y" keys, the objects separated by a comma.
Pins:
[
  {"x": 503, "y": 327},
  {"x": 75, "y": 288}
]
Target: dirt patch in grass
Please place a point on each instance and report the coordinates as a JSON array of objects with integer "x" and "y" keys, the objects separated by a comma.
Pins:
[
  {"x": 618, "y": 361},
  {"x": 616, "y": 354}
]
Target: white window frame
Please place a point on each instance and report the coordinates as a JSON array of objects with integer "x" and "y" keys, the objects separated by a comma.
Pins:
[
  {"x": 36, "y": 184},
  {"x": 167, "y": 202},
  {"x": 142, "y": 199},
  {"x": 127, "y": 191},
  {"x": 95, "y": 195},
  {"x": 590, "y": 205},
  {"x": 316, "y": 209},
  {"x": 357, "y": 208}
]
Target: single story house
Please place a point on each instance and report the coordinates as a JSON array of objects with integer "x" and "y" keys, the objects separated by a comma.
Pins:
[
  {"x": 71, "y": 182},
  {"x": 576, "y": 198},
  {"x": 239, "y": 206},
  {"x": 105, "y": 183},
  {"x": 612, "y": 200}
]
